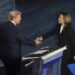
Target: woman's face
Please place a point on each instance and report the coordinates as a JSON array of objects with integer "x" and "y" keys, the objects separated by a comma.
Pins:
[{"x": 61, "y": 19}]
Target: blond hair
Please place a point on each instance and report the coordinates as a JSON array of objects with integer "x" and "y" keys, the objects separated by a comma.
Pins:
[
  {"x": 13, "y": 14},
  {"x": 67, "y": 19}
]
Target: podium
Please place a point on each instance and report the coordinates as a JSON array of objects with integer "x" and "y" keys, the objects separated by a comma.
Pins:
[
  {"x": 32, "y": 66},
  {"x": 52, "y": 62},
  {"x": 44, "y": 62}
]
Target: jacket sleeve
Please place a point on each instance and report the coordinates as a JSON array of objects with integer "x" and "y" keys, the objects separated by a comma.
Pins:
[
  {"x": 55, "y": 30},
  {"x": 71, "y": 36},
  {"x": 27, "y": 41}
]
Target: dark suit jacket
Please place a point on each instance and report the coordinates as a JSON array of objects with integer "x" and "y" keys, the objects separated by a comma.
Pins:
[
  {"x": 10, "y": 38},
  {"x": 67, "y": 37}
]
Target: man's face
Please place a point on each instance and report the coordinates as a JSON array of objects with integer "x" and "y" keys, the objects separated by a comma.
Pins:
[{"x": 17, "y": 19}]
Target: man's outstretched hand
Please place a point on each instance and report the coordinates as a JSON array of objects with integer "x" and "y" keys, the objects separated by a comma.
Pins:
[{"x": 38, "y": 40}]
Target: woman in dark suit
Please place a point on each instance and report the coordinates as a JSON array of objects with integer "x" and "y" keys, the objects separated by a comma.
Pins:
[{"x": 66, "y": 37}]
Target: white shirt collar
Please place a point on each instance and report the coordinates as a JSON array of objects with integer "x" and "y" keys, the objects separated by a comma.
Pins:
[
  {"x": 61, "y": 28},
  {"x": 13, "y": 22}
]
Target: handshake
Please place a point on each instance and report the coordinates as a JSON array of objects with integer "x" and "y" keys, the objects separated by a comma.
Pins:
[{"x": 38, "y": 40}]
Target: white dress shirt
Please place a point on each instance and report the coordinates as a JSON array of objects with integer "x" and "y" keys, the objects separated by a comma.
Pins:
[
  {"x": 13, "y": 22},
  {"x": 61, "y": 29}
]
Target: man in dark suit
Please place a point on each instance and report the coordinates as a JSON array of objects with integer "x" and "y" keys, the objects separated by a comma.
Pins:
[
  {"x": 66, "y": 37},
  {"x": 10, "y": 39}
]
